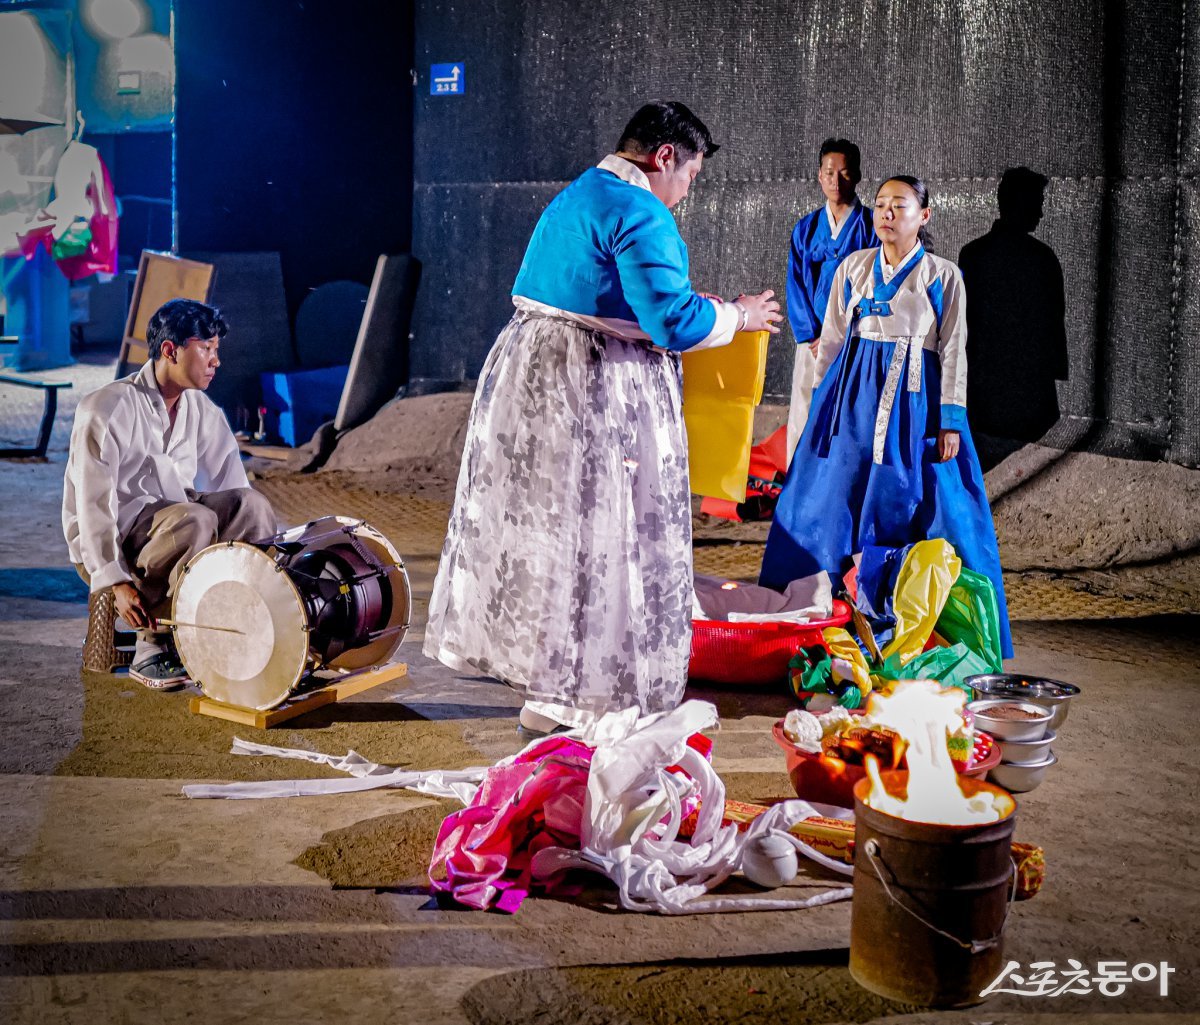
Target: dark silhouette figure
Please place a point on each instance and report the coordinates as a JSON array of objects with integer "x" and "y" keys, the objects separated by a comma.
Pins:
[{"x": 1016, "y": 335}]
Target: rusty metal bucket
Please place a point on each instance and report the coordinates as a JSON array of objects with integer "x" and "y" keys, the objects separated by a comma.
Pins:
[{"x": 930, "y": 901}]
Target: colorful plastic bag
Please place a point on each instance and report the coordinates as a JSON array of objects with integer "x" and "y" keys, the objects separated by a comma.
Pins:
[
  {"x": 817, "y": 687},
  {"x": 971, "y": 616},
  {"x": 74, "y": 242},
  {"x": 922, "y": 587}
]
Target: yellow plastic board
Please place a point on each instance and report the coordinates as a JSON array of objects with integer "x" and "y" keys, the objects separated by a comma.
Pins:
[{"x": 721, "y": 387}]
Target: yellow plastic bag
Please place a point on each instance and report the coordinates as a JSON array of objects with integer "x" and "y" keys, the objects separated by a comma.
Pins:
[
  {"x": 844, "y": 647},
  {"x": 721, "y": 387},
  {"x": 922, "y": 587}
]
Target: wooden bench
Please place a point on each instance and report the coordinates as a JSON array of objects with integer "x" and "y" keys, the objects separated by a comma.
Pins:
[{"x": 51, "y": 389}]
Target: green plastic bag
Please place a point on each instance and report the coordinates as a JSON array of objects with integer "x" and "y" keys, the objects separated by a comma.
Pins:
[
  {"x": 971, "y": 617},
  {"x": 809, "y": 672},
  {"x": 75, "y": 240},
  {"x": 811, "y": 677},
  {"x": 948, "y": 666}
]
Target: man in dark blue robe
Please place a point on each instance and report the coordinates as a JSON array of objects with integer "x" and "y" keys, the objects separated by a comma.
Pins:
[{"x": 821, "y": 240}]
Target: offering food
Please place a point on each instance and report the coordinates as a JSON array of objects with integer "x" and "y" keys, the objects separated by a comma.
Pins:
[
  {"x": 855, "y": 744},
  {"x": 849, "y": 736},
  {"x": 807, "y": 731},
  {"x": 1009, "y": 719},
  {"x": 960, "y": 742},
  {"x": 1012, "y": 712},
  {"x": 820, "y": 772}
]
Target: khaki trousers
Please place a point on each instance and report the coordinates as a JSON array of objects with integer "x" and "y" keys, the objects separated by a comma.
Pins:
[{"x": 167, "y": 534}]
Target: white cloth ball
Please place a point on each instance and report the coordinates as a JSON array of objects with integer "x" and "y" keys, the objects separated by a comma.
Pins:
[{"x": 770, "y": 861}]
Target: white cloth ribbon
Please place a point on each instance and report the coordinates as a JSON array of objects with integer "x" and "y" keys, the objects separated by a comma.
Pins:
[
  {"x": 909, "y": 349},
  {"x": 633, "y": 813},
  {"x": 460, "y": 784}
]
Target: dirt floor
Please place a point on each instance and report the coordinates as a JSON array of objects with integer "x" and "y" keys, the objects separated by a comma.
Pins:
[{"x": 122, "y": 901}]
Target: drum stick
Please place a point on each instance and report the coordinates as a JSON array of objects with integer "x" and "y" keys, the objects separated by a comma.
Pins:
[{"x": 199, "y": 626}]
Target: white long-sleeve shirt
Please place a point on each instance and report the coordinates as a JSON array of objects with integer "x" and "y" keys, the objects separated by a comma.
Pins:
[{"x": 125, "y": 455}]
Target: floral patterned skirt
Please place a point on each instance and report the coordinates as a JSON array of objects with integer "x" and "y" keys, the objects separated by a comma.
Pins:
[{"x": 567, "y": 567}]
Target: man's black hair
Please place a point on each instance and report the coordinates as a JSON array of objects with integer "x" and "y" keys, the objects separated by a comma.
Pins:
[
  {"x": 177, "y": 320},
  {"x": 847, "y": 149},
  {"x": 663, "y": 122}
]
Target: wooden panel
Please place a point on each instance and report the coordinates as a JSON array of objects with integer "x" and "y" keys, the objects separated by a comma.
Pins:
[{"x": 160, "y": 277}]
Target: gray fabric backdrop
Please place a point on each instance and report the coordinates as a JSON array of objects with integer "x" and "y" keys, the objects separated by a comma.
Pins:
[{"x": 1102, "y": 98}]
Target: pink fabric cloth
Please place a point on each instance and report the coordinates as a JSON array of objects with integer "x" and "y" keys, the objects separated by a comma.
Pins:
[{"x": 523, "y": 806}]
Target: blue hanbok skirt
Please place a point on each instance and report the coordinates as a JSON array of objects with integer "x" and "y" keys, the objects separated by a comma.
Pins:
[{"x": 837, "y": 499}]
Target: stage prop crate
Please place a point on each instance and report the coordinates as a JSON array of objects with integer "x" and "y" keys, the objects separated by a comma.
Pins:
[{"x": 299, "y": 401}]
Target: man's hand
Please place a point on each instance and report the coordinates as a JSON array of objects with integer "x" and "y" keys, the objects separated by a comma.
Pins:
[
  {"x": 130, "y": 607},
  {"x": 947, "y": 445},
  {"x": 814, "y": 344},
  {"x": 762, "y": 312}
]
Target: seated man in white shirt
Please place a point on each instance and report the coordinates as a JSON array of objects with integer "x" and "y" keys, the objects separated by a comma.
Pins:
[{"x": 153, "y": 477}]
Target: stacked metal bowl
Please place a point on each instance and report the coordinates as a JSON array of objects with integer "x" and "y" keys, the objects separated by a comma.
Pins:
[{"x": 1024, "y": 714}]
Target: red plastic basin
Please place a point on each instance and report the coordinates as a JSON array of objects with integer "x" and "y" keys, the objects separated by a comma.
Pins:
[{"x": 749, "y": 654}]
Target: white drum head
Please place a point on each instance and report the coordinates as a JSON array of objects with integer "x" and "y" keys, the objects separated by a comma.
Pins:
[{"x": 237, "y": 586}]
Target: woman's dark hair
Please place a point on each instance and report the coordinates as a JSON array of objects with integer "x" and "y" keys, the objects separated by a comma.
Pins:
[
  {"x": 177, "y": 320},
  {"x": 922, "y": 190},
  {"x": 663, "y": 122},
  {"x": 847, "y": 149}
]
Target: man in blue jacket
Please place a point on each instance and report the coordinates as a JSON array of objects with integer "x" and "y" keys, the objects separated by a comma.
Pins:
[{"x": 821, "y": 240}]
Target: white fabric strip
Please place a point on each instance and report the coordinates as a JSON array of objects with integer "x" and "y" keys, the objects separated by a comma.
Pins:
[
  {"x": 633, "y": 813},
  {"x": 459, "y": 784},
  {"x": 915, "y": 365},
  {"x": 906, "y": 348}
]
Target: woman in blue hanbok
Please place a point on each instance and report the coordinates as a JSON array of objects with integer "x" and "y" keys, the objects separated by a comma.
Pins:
[
  {"x": 886, "y": 457},
  {"x": 567, "y": 567}
]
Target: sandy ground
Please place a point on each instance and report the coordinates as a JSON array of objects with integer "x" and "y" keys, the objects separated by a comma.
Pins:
[{"x": 122, "y": 901}]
